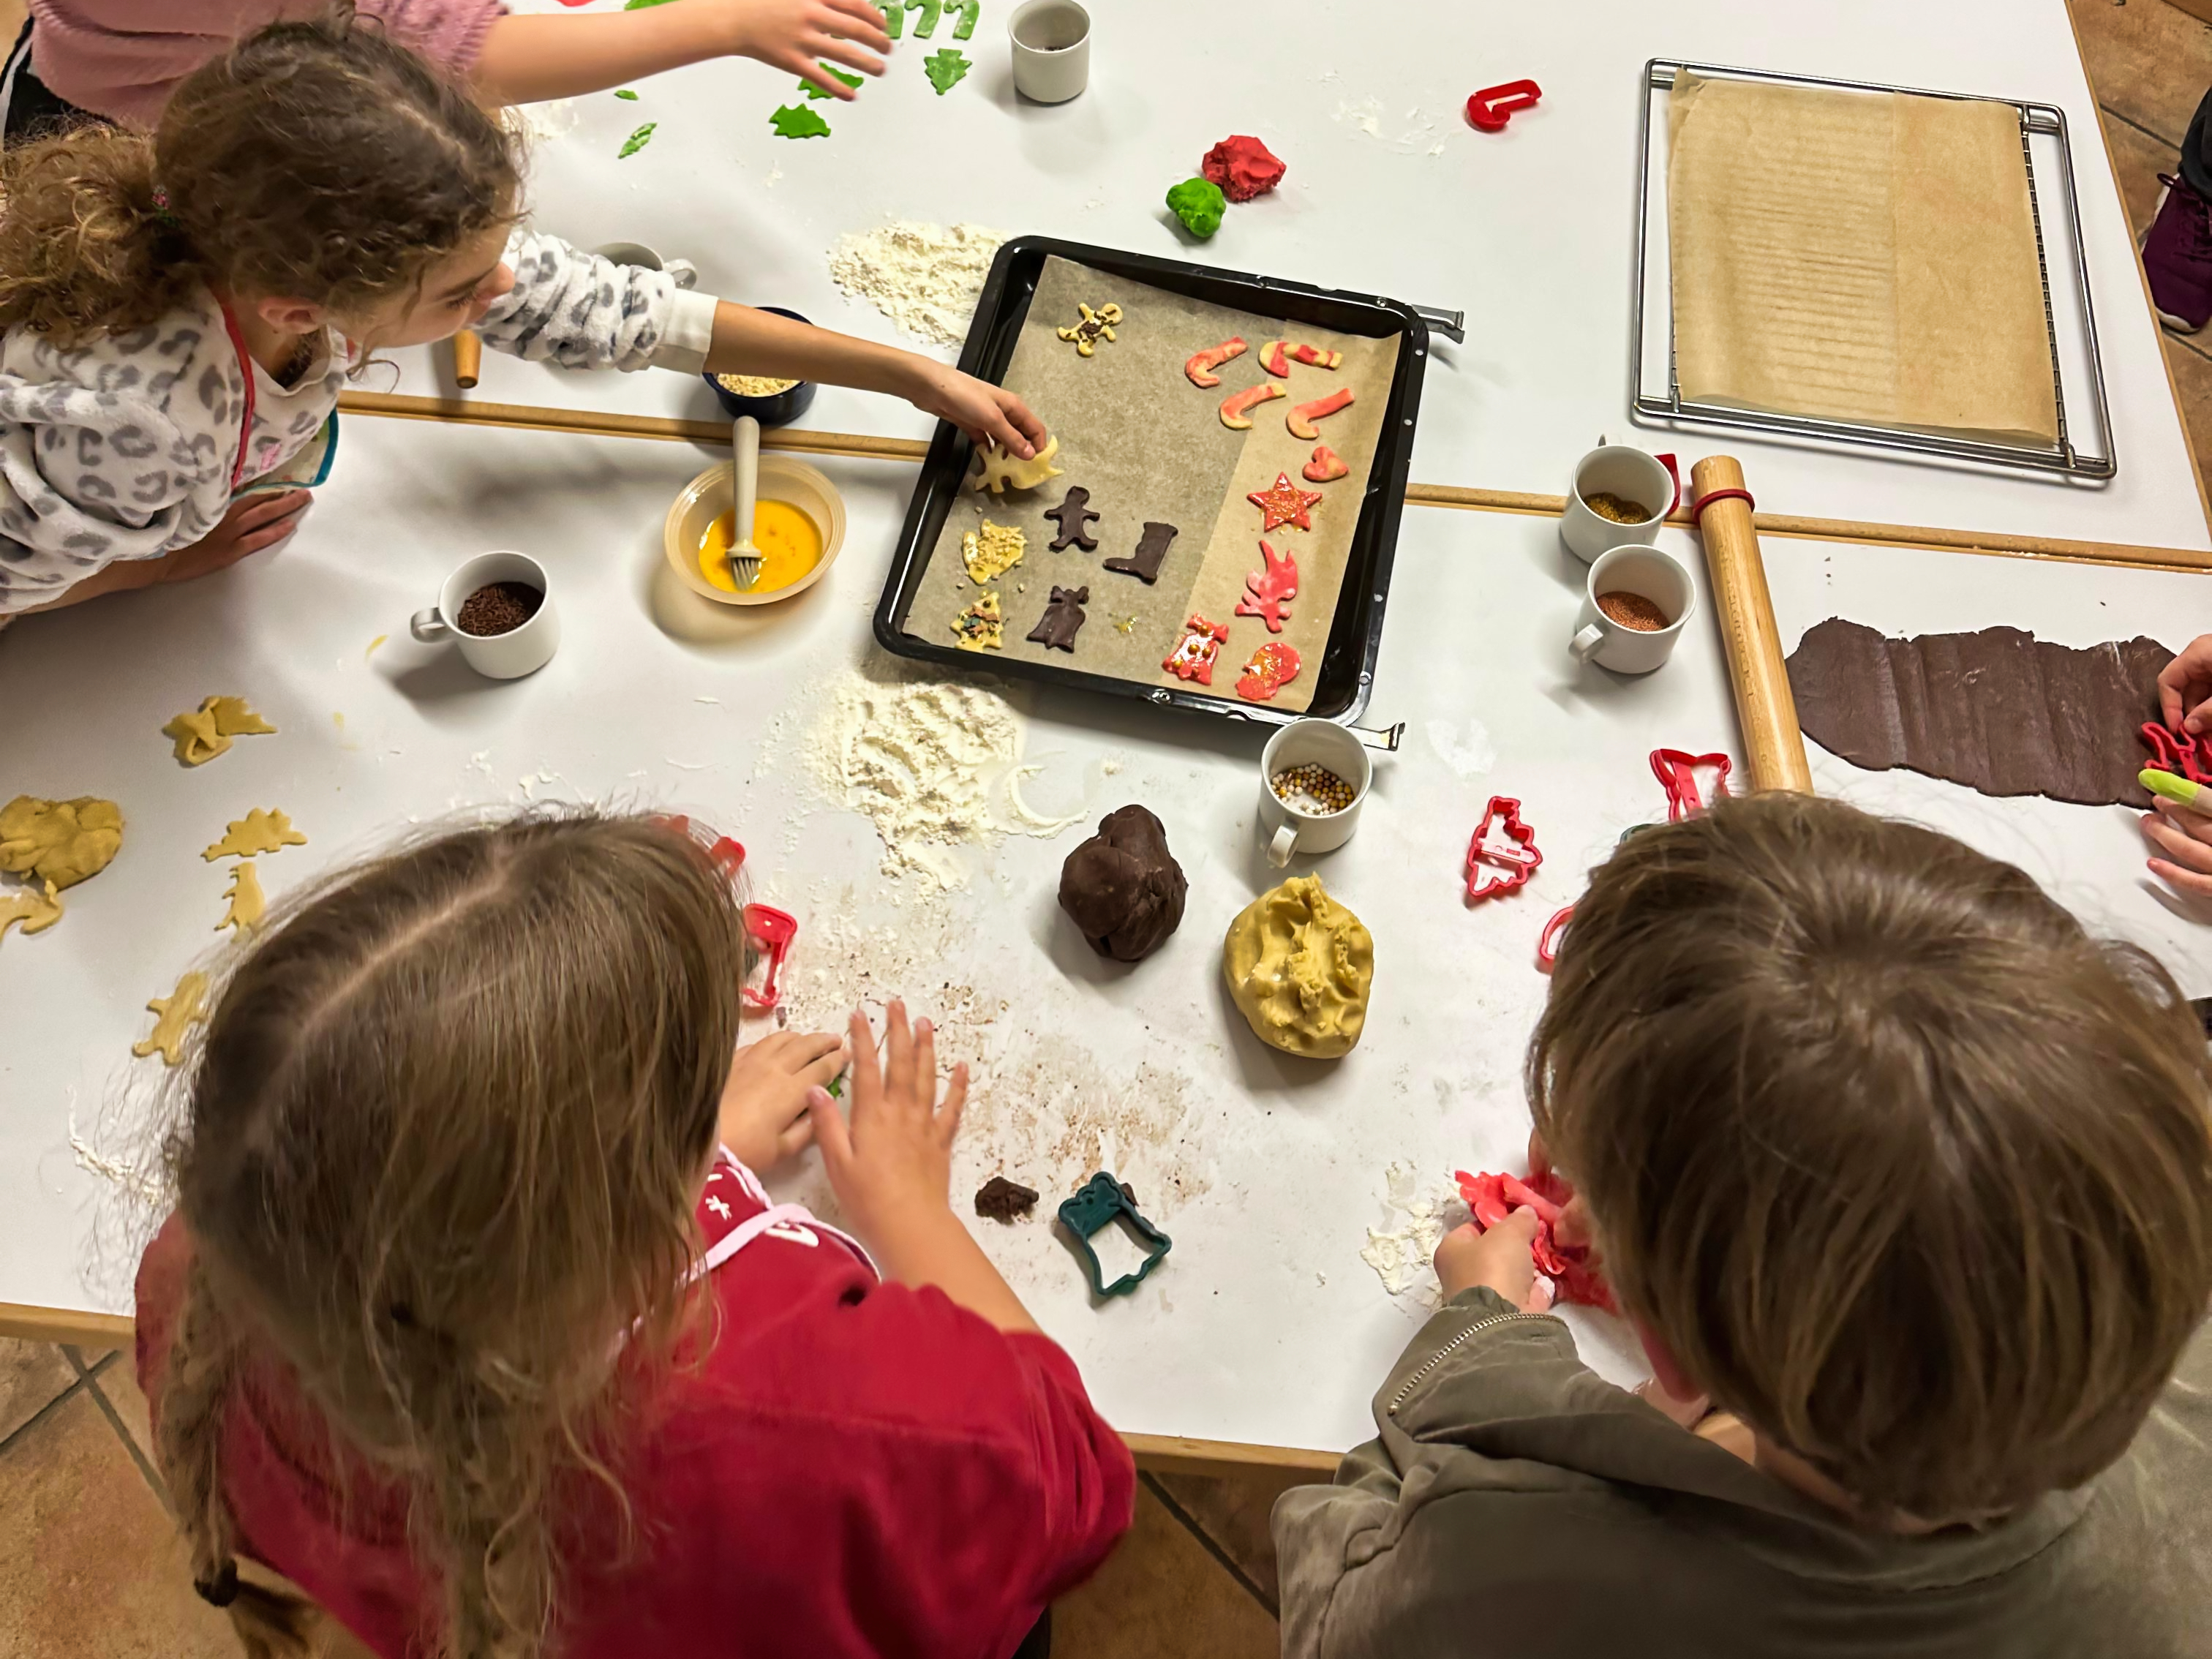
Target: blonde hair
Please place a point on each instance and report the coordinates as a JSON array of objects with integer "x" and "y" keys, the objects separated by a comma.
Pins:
[
  {"x": 317, "y": 161},
  {"x": 442, "y": 1138},
  {"x": 1907, "y": 1169}
]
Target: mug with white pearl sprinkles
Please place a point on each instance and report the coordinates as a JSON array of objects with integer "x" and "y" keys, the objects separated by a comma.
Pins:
[{"x": 1314, "y": 776}]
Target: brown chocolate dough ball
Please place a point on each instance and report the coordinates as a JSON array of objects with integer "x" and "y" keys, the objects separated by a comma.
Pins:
[{"x": 1123, "y": 887}]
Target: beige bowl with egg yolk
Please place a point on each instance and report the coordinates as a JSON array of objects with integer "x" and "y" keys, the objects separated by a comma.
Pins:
[{"x": 707, "y": 497}]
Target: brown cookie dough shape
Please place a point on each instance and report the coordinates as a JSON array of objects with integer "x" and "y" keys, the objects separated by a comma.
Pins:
[
  {"x": 1151, "y": 552},
  {"x": 1063, "y": 619},
  {"x": 1001, "y": 1199},
  {"x": 1072, "y": 515},
  {"x": 1123, "y": 888}
]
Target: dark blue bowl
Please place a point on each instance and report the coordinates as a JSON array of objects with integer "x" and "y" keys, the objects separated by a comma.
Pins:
[{"x": 782, "y": 409}]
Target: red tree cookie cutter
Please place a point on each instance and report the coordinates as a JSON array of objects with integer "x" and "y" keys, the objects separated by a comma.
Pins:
[
  {"x": 2178, "y": 753},
  {"x": 1489, "y": 109},
  {"x": 1677, "y": 772},
  {"x": 1516, "y": 864}
]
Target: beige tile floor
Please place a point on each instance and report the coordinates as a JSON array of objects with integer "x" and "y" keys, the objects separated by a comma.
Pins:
[{"x": 94, "y": 1567}]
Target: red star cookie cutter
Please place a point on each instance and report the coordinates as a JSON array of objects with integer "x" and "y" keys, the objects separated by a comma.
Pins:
[
  {"x": 1513, "y": 864},
  {"x": 2178, "y": 753},
  {"x": 1489, "y": 109},
  {"x": 1677, "y": 772}
]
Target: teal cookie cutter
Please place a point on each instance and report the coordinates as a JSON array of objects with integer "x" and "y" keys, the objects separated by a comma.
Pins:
[{"x": 1097, "y": 1204}]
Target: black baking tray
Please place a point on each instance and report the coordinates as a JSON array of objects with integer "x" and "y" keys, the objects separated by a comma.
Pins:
[{"x": 1347, "y": 665}]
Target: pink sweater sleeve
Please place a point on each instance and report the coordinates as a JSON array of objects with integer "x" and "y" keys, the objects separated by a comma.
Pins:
[{"x": 122, "y": 58}]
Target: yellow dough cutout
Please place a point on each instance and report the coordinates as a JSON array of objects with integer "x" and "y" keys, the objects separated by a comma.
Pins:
[
  {"x": 185, "y": 1006},
  {"x": 247, "y": 906},
  {"x": 1299, "y": 966},
  {"x": 63, "y": 841},
  {"x": 992, "y": 551},
  {"x": 262, "y": 830},
  {"x": 1003, "y": 471},
  {"x": 202, "y": 734},
  {"x": 35, "y": 909}
]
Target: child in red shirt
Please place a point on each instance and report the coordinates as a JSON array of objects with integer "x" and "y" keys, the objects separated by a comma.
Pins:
[{"x": 474, "y": 1322}]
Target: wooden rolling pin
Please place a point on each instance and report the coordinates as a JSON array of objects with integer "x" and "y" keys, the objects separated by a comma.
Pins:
[
  {"x": 468, "y": 358},
  {"x": 1773, "y": 747}
]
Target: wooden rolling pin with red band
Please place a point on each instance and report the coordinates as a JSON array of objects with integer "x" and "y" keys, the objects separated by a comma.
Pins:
[
  {"x": 468, "y": 358},
  {"x": 1773, "y": 747}
]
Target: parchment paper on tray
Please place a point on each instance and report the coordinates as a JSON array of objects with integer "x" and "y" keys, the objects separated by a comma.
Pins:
[
  {"x": 1150, "y": 447},
  {"x": 1854, "y": 256}
]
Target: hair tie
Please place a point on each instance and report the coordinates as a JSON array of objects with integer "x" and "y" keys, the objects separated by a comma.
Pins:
[
  {"x": 161, "y": 209},
  {"x": 223, "y": 1590}
]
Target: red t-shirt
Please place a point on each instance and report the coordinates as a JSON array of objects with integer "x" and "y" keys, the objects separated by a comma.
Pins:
[{"x": 859, "y": 1468}]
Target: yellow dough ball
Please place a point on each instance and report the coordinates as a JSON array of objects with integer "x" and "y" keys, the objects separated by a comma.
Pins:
[
  {"x": 1300, "y": 965},
  {"x": 63, "y": 841}
]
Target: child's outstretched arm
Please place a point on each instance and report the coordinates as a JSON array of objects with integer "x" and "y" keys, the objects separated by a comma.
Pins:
[
  {"x": 525, "y": 59},
  {"x": 891, "y": 1168}
]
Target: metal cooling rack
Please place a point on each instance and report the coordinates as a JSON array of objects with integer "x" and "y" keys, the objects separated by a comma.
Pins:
[{"x": 2036, "y": 121}]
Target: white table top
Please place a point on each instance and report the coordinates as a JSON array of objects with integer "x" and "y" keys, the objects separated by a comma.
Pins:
[
  {"x": 1264, "y": 1324},
  {"x": 1530, "y": 232}
]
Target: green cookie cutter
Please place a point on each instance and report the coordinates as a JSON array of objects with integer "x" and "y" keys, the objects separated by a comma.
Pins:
[{"x": 1094, "y": 1206}]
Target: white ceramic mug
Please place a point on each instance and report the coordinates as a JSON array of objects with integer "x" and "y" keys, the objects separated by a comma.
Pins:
[
  {"x": 508, "y": 656},
  {"x": 1052, "y": 50},
  {"x": 685, "y": 274},
  {"x": 1623, "y": 470},
  {"x": 1312, "y": 743},
  {"x": 1650, "y": 574}
]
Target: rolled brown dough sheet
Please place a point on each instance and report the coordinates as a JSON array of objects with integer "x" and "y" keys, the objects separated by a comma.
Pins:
[
  {"x": 1854, "y": 256},
  {"x": 2000, "y": 711}
]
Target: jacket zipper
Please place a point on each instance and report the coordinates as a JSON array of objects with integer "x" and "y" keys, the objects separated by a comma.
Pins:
[{"x": 1406, "y": 1390}]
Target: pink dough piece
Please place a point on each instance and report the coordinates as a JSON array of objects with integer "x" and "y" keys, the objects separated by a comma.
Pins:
[{"x": 1242, "y": 166}]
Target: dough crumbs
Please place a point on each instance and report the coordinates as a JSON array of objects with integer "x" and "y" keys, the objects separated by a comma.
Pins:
[
  {"x": 925, "y": 278},
  {"x": 263, "y": 830},
  {"x": 37, "y": 908},
  {"x": 248, "y": 905},
  {"x": 202, "y": 734},
  {"x": 1400, "y": 1253},
  {"x": 185, "y": 1006},
  {"x": 925, "y": 761}
]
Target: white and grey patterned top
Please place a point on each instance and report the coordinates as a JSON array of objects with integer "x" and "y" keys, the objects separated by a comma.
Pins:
[{"x": 123, "y": 447}]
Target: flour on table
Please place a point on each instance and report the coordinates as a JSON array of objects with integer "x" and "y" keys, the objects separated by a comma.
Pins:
[
  {"x": 555, "y": 118},
  {"x": 925, "y": 278},
  {"x": 1400, "y": 1253},
  {"x": 1470, "y": 755},
  {"x": 926, "y": 761}
]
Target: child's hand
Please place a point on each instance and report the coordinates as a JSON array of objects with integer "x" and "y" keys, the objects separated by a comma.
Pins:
[
  {"x": 2184, "y": 687},
  {"x": 988, "y": 414},
  {"x": 795, "y": 34},
  {"x": 2181, "y": 846},
  {"x": 763, "y": 1116},
  {"x": 1500, "y": 1259},
  {"x": 892, "y": 1165}
]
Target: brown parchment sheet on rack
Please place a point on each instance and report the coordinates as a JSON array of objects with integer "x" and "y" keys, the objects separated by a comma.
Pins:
[
  {"x": 1150, "y": 446},
  {"x": 1854, "y": 256}
]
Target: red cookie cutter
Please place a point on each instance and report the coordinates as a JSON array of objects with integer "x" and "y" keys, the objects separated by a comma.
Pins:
[
  {"x": 773, "y": 930},
  {"x": 1517, "y": 864},
  {"x": 1677, "y": 772},
  {"x": 2186, "y": 756},
  {"x": 1489, "y": 109},
  {"x": 1547, "y": 943}
]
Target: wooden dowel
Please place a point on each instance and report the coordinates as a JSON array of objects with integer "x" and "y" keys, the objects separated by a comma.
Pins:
[
  {"x": 1773, "y": 747},
  {"x": 468, "y": 358}
]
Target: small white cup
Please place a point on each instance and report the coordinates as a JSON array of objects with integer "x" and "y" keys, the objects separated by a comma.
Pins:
[
  {"x": 647, "y": 258},
  {"x": 1659, "y": 577},
  {"x": 508, "y": 656},
  {"x": 1052, "y": 50},
  {"x": 1315, "y": 743},
  {"x": 1623, "y": 470}
]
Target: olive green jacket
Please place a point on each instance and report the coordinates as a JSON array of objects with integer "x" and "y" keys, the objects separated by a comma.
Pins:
[{"x": 1516, "y": 1504}]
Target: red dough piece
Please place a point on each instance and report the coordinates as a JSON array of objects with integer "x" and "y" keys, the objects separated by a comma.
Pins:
[
  {"x": 1492, "y": 1198},
  {"x": 1488, "y": 109},
  {"x": 1273, "y": 666},
  {"x": 1326, "y": 467},
  {"x": 1302, "y": 415},
  {"x": 1266, "y": 591},
  {"x": 1283, "y": 503},
  {"x": 1235, "y": 405},
  {"x": 1201, "y": 364},
  {"x": 1277, "y": 356},
  {"x": 2179, "y": 754},
  {"x": 1193, "y": 656},
  {"x": 1242, "y": 166}
]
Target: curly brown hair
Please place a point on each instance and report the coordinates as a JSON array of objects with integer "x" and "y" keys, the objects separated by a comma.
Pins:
[{"x": 317, "y": 161}]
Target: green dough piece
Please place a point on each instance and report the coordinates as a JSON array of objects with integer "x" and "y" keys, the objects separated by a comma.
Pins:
[
  {"x": 627, "y": 93},
  {"x": 894, "y": 13},
  {"x": 944, "y": 68},
  {"x": 797, "y": 121},
  {"x": 640, "y": 5},
  {"x": 813, "y": 91},
  {"x": 637, "y": 141},
  {"x": 930, "y": 10},
  {"x": 970, "y": 10},
  {"x": 1199, "y": 204}
]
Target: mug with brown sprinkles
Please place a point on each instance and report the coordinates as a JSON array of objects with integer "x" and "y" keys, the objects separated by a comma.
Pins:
[
  {"x": 498, "y": 608},
  {"x": 1633, "y": 611},
  {"x": 1618, "y": 509}
]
